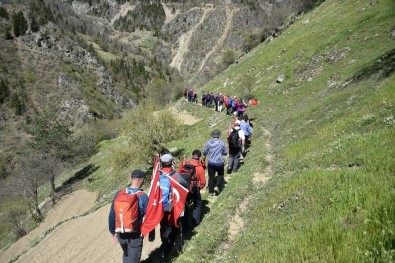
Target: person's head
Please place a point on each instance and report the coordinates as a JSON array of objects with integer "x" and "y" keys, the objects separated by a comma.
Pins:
[
  {"x": 196, "y": 154},
  {"x": 137, "y": 178},
  {"x": 215, "y": 134},
  {"x": 166, "y": 160},
  {"x": 237, "y": 124},
  {"x": 245, "y": 117}
]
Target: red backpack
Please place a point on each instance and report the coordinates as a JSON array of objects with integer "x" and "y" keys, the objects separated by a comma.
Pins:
[{"x": 126, "y": 207}]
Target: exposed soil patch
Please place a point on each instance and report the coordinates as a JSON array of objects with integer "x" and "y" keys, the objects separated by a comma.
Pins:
[
  {"x": 186, "y": 118},
  {"x": 70, "y": 205}
]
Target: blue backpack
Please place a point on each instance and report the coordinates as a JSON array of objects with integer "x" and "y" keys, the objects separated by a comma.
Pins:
[{"x": 165, "y": 186}]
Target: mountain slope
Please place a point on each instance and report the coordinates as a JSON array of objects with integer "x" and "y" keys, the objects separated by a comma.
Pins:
[{"x": 325, "y": 135}]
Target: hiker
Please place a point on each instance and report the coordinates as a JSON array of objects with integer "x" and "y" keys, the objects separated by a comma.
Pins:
[
  {"x": 216, "y": 149},
  {"x": 236, "y": 148},
  {"x": 190, "y": 94},
  {"x": 122, "y": 227},
  {"x": 216, "y": 100},
  {"x": 168, "y": 233},
  {"x": 247, "y": 129},
  {"x": 212, "y": 100},
  {"x": 196, "y": 186},
  {"x": 234, "y": 105},
  {"x": 203, "y": 99},
  {"x": 241, "y": 108},
  {"x": 220, "y": 102},
  {"x": 208, "y": 99},
  {"x": 195, "y": 100},
  {"x": 229, "y": 106}
]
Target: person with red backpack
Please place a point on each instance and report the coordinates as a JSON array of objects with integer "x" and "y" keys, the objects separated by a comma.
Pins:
[
  {"x": 198, "y": 182},
  {"x": 126, "y": 215}
]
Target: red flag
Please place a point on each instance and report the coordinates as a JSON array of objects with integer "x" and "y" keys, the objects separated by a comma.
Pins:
[
  {"x": 181, "y": 164},
  {"x": 234, "y": 121},
  {"x": 179, "y": 195},
  {"x": 154, "y": 212}
]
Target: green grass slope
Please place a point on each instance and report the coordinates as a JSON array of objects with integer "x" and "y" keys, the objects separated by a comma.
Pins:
[{"x": 332, "y": 126}]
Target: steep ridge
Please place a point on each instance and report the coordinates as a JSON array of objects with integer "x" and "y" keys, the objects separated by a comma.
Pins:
[
  {"x": 219, "y": 44},
  {"x": 184, "y": 42}
]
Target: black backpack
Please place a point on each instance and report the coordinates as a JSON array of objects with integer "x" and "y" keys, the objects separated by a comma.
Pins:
[
  {"x": 234, "y": 139},
  {"x": 188, "y": 173}
]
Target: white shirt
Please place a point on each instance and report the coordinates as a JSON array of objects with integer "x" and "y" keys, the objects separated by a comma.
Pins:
[{"x": 241, "y": 133}]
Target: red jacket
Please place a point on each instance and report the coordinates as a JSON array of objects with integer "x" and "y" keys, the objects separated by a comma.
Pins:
[{"x": 199, "y": 172}]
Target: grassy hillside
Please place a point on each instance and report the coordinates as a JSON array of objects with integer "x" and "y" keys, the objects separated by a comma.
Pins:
[
  {"x": 325, "y": 137},
  {"x": 331, "y": 195}
]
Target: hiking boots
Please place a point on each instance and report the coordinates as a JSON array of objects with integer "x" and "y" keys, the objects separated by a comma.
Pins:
[{"x": 216, "y": 190}]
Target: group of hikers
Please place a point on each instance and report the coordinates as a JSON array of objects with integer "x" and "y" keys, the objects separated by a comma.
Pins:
[
  {"x": 232, "y": 105},
  {"x": 174, "y": 201}
]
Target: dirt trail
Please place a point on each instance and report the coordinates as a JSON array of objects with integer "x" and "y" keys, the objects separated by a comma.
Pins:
[
  {"x": 70, "y": 205},
  {"x": 184, "y": 41},
  {"x": 237, "y": 222},
  {"x": 84, "y": 239}
]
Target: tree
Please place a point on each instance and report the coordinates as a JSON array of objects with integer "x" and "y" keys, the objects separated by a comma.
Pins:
[
  {"x": 50, "y": 136},
  {"x": 20, "y": 24},
  {"x": 34, "y": 26},
  {"x": 4, "y": 91},
  {"x": 30, "y": 172},
  {"x": 229, "y": 57},
  {"x": 157, "y": 92},
  {"x": 7, "y": 33},
  {"x": 248, "y": 85},
  {"x": 4, "y": 13},
  {"x": 18, "y": 105}
]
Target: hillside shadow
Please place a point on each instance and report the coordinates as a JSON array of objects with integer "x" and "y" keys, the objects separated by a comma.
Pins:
[
  {"x": 155, "y": 255},
  {"x": 77, "y": 177},
  {"x": 382, "y": 66}
]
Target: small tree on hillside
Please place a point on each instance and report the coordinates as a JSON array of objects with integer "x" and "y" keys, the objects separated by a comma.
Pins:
[
  {"x": 159, "y": 128},
  {"x": 29, "y": 174},
  {"x": 20, "y": 24},
  {"x": 248, "y": 85},
  {"x": 51, "y": 138},
  {"x": 157, "y": 92},
  {"x": 229, "y": 57},
  {"x": 4, "y": 91}
]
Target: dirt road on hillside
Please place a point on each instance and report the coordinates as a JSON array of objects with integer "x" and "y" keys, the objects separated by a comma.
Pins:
[{"x": 70, "y": 205}]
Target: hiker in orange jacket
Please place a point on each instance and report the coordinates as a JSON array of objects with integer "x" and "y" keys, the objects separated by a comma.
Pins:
[
  {"x": 200, "y": 183},
  {"x": 131, "y": 240}
]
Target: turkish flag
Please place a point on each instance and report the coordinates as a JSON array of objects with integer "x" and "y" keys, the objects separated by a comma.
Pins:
[
  {"x": 179, "y": 196},
  {"x": 154, "y": 212}
]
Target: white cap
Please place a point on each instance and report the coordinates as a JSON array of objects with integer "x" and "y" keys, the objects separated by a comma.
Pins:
[
  {"x": 166, "y": 158},
  {"x": 237, "y": 122}
]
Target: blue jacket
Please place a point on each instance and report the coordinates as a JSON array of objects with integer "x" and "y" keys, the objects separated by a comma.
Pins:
[
  {"x": 143, "y": 201},
  {"x": 216, "y": 149},
  {"x": 246, "y": 128}
]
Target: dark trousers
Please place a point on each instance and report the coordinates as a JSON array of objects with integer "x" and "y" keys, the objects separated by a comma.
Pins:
[
  {"x": 168, "y": 235},
  {"x": 132, "y": 245},
  {"x": 233, "y": 160},
  {"x": 212, "y": 170}
]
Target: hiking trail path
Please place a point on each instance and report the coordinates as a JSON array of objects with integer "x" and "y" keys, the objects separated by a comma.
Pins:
[{"x": 237, "y": 222}]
